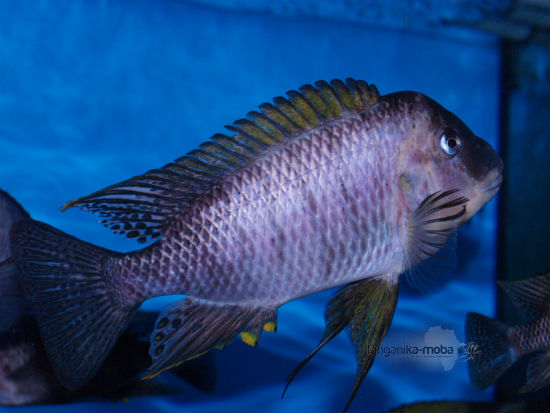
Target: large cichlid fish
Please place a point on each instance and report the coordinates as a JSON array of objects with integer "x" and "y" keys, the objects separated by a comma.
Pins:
[{"x": 332, "y": 185}]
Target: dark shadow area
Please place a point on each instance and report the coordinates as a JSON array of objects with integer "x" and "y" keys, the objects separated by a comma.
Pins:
[{"x": 524, "y": 214}]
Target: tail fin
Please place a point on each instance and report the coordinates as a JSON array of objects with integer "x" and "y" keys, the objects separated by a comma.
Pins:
[
  {"x": 66, "y": 282},
  {"x": 495, "y": 354},
  {"x": 12, "y": 298}
]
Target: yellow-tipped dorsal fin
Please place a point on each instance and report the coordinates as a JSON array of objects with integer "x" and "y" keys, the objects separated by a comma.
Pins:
[{"x": 143, "y": 207}]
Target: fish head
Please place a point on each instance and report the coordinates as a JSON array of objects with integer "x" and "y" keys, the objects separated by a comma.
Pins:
[{"x": 440, "y": 153}]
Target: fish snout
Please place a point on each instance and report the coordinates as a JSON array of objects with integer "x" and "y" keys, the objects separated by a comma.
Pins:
[
  {"x": 492, "y": 159},
  {"x": 494, "y": 167},
  {"x": 485, "y": 167},
  {"x": 481, "y": 161}
]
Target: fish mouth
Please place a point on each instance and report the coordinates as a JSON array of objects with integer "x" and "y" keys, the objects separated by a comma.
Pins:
[
  {"x": 494, "y": 182},
  {"x": 485, "y": 191}
]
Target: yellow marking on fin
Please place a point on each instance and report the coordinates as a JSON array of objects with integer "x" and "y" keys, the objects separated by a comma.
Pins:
[
  {"x": 270, "y": 326},
  {"x": 249, "y": 338},
  {"x": 69, "y": 204},
  {"x": 125, "y": 399}
]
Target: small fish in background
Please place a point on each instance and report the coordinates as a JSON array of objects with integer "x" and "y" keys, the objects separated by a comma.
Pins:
[
  {"x": 333, "y": 185},
  {"x": 26, "y": 376},
  {"x": 500, "y": 346}
]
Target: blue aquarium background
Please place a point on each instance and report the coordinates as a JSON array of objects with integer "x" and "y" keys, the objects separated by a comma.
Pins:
[{"x": 92, "y": 93}]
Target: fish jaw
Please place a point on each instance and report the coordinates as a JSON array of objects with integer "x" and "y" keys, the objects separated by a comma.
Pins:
[
  {"x": 486, "y": 175},
  {"x": 483, "y": 193}
]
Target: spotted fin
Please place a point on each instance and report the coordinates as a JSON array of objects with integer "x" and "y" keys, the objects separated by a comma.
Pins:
[
  {"x": 431, "y": 246},
  {"x": 194, "y": 326},
  {"x": 538, "y": 373},
  {"x": 143, "y": 207},
  {"x": 367, "y": 307},
  {"x": 531, "y": 295}
]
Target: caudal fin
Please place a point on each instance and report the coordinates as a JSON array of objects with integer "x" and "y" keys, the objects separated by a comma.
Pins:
[
  {"x": 493, "y": 355},
  {"x": 66, "y": 281}
]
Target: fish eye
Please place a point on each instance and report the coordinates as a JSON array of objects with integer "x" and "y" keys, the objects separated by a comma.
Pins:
[{"x": 450, "y": 143}]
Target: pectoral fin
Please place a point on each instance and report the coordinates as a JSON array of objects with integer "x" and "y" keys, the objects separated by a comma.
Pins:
[
  {"x": 431, "y": 245},
  {"x": 367, "y": 306}
]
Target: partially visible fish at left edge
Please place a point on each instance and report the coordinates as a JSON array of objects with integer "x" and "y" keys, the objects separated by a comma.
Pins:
[
  {"x": 26, "y": 376},
  {"x": 333, "y": 185}
]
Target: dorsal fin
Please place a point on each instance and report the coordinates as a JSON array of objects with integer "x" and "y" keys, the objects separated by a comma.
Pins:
[
  {"x": 142, "y": 207},
  {"x": 531, "y": 295}
]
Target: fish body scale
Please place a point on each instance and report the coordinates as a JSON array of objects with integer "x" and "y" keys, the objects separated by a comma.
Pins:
[
  {"x": 531, "y": 337},
  {"x": 317, "y": 212}
]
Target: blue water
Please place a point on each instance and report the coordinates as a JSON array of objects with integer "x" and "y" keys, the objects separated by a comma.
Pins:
[{"x": 92, "y": 93}]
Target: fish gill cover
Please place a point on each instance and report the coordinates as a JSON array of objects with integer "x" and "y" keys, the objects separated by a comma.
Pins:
[{"x": 92, "y": 95}]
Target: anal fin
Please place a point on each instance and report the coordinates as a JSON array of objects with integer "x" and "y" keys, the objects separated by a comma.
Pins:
[
  {"x": 194, "y": 326},
  {"x": 367, "y": 307}
]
